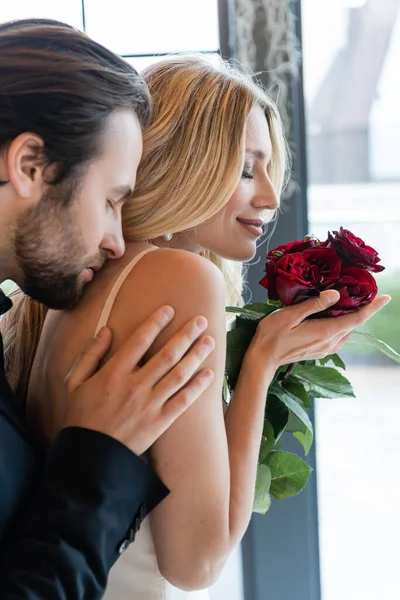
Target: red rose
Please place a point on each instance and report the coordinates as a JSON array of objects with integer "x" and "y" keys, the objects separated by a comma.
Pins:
[
  {"x": 327, "y": 265},
  {"x": 353, "y": 251},
  {"x": 304, "y": 268},
  {"x": 291, "y": 247},
  {"x": 300, "y": 275},
  {"x": 290, "y": 279},
  {"x": 357, "y": 287},
  {"x": 276, "y": 254}
]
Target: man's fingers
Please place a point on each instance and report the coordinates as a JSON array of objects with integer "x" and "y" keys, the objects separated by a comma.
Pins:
[
  {"x": 315, "y": 305},
  {"x": 88, "y": 360},
  {"x": 171, "y": 383},
  {"x": 133, "y": 350},
  {"x": 176, "y": 406},
  {"x": 167, "y": 358}
]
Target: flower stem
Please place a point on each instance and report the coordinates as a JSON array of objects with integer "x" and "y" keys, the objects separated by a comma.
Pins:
[{"x": 289, "y": 371}]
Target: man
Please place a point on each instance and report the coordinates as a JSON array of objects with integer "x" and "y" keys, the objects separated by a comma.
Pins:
[{"x": 71, "y": 115}]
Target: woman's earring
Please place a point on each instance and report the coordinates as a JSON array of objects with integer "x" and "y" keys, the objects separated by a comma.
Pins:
[{"x": 168, "y": 237}]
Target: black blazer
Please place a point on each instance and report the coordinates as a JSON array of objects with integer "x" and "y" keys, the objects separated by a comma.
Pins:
[{"x": 65, "y": 514}]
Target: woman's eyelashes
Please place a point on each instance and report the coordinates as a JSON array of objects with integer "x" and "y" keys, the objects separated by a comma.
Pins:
[
  {"x": 111, "y": 204},
  {"x": 247, "y": 173}
]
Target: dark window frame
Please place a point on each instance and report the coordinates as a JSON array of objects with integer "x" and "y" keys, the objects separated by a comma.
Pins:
[{"x": 281, "y": 550}]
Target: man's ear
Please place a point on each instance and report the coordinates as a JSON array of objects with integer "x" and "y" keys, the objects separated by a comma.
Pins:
[{"x": 25, "y": 169}]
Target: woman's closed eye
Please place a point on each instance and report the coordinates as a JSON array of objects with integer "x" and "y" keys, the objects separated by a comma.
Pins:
[
  {"x": 247, "y": 173},
  {"x": 110, "y": 203}
]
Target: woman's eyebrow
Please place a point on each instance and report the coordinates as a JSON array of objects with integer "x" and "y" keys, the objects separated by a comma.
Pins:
[{"x": 259, "y": 154}]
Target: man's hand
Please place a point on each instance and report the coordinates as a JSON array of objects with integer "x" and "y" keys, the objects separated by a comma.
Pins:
[{"x": 136, "y": 404}]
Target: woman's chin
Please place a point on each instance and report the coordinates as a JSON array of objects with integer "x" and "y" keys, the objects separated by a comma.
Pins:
[{"x": 240, "y": 254}]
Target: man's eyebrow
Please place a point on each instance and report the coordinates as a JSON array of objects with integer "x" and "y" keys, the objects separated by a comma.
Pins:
[{"x": 124, "y": 192}]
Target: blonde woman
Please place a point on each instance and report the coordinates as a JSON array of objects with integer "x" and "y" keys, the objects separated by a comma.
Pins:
[{"x": 212, "y": 170}]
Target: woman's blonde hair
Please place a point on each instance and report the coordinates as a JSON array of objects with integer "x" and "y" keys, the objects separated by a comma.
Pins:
[
  {"x": 193, "y": 155},
  {"x": 193, "y": 151}
]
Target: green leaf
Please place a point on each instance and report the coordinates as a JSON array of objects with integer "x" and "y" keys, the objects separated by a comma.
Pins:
[
  {"x": 275, "y": 303},
  {"x": 226, "y": 394},
  {"x": 305, "y": 438},
  {"x": 324, "y": 382},
  {"x": 249, "y": 322},
  {"x": 267, "y": 441},
  {"x": 289, "y": 474},
  {"x": 335, "y": 358},
  {"x": 367, "y": 339},
  {"x": 277, "y": 414},
  {"x": 256, "y": 309},
  {"x": 262, "y": 499},
  {"x": 238, "y": 340},
  {"x": 296, "y": 388},
  {"x": 245, "y": 310},
  {"x": 291, "y": 402},
  {"x": 264, "y": 308}
]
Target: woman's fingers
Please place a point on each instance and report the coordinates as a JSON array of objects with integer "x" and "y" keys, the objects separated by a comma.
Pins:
[
  {"x": 314, "y": 305},
  {"x": 356, "y": 319},
  {"x": 287, "y": 335}
]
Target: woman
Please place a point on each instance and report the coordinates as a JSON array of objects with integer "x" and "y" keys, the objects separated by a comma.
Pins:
[{"x": 211, "y": 173}]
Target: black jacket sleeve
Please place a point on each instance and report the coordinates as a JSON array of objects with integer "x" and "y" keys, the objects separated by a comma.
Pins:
[{"x": 85, "y": 509}]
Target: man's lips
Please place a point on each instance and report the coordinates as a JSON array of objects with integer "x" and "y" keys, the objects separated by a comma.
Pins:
[{"x": 90, "y": 271}]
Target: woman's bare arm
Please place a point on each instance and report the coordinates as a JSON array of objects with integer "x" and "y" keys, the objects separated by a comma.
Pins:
[{"x": 209, "y": 463}]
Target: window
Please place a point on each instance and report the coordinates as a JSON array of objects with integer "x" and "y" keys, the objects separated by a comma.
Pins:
[
  {"x": 131, "y": 28},
  {"x": 351, "y": 51}
]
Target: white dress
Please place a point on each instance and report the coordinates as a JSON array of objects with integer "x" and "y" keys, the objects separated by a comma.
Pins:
[{"x": 135, "y": 576}]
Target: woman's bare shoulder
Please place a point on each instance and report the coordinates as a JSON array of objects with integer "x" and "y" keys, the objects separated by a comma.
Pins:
[
  {"x": 176, "y": 274},
  {"x": 189, "y": 283}
]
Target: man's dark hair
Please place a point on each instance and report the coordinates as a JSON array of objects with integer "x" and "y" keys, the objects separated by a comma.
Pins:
[{"x": 58, "y": 83}]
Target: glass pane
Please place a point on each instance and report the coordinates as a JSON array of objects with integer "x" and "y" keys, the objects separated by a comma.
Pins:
[
  {"x": 69, "y": 12},
  {"x": 230, "y": 583},
  {"x": 141, "y": 62},
  {"x": 351, "y": 51},
  {"x": 157, "y": 26}
]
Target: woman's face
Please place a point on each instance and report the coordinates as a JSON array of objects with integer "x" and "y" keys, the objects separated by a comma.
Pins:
[{"x": 233, "y": 232}]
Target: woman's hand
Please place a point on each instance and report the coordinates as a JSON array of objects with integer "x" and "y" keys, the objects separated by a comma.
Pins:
[{"x": 285, "y": 336}]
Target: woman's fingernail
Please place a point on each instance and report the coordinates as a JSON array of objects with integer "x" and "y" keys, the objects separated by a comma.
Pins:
[
  {"x": 332, "y": 297},
  {"x": 387, "y": 300}
]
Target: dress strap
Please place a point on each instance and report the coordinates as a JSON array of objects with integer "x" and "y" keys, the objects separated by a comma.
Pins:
[{"x": 105, "y": 313}]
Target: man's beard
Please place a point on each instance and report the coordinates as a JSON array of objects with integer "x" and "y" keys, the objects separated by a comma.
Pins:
[{"x": 50, "y": 249}]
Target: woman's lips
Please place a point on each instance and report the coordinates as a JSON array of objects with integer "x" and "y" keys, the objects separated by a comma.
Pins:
[{"x": 253, "y": 226}]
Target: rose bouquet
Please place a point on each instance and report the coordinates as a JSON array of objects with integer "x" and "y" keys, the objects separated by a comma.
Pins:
[{"x": 295, "y": 272}]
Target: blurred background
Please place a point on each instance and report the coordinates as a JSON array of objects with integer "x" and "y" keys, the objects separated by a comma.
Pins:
[{"x": 333, "y": 66}]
